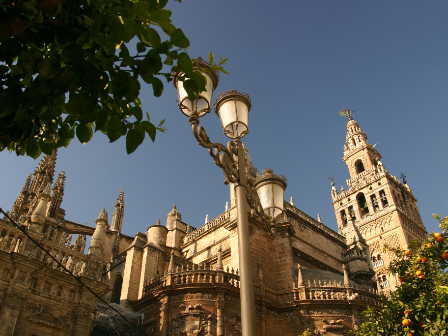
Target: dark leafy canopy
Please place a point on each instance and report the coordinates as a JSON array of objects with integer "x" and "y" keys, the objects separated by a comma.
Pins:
[
  {"x": 66, "y": 71},
  {"x": 420, "y": 304}
]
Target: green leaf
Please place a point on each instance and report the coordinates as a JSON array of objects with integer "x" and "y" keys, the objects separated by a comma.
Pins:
[
  {"x": 134, "y": 138},
  {"x": 192, "y": 89},
  {"x": 137, "y": 113},
  {"x": 160, "y": 15},
  {"x": 33, "y": 149},
  {"x": 179, "y": 39},
  {"x": 140, "y": 7},
  {"x": 184, "y": 64},
  {"x": 150, "y": 129},
  {"x": 100, "y": 120},
  {"x": 84, "y": 133},
  {"x": 200, "y": 80},
  {"x": 134, "y": 89},
  {"x": 168, "y": 28},
  {"x": 157, "y": 86},
  {"x": 168, "y": 61},
  {"x": 210, "y": 58},
  {"x": 151, "y": 35},
  {"x": 115, "y": 128},
  {"x": 47, "y": 147}
]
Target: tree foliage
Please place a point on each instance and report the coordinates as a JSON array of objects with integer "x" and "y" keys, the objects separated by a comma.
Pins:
[
  {"x": 420, "y": 304},
  {"x": 66, "y": 70}
]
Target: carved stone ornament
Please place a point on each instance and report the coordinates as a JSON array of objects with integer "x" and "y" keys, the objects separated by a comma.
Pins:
[
  {"x": 193, "y": 321},
  {"x": 331, "y": 327},
  {"x": 46, "y": 319}
]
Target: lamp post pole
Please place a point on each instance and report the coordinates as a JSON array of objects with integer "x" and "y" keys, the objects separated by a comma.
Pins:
[
  {"x": 247, "y": 298},
  {"x": 233, "y": 109}
]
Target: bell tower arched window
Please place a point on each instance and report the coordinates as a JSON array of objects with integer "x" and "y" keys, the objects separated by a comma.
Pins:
[
  {"x": 362, "y": 204},
  {"x": 359, "y": 166}
]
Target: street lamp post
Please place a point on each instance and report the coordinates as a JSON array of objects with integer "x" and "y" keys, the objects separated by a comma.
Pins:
[{"x": 233, "y": 109}]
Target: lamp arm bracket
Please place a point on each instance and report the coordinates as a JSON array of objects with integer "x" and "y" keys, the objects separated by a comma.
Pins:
[{"x": 222, "y": 155}]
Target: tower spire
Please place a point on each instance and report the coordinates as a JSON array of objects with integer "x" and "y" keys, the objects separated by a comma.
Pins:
[
  {"x": 44, "y": 173},
  {"x": 21, "y": 199},
  {"x": 56, "y": 195},
  {"x": 117, "y": 216},
  {"x": 356, "y": 137}
]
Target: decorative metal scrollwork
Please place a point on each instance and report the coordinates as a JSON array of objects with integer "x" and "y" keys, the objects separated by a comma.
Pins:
[{"x": 222, "y": 156}]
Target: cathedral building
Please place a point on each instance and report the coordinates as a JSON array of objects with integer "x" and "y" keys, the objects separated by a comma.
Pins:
[{"x": 183, "y": 278}]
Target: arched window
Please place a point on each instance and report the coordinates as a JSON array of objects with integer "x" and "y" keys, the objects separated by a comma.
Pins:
[
  {"x": 359, "y": 166},
  {"x": 374, "y": 201},
  {"x": 383, "y": 198},
  {"x": 343, "y": 217},
  {"x": 362, "y": 204},
  {"x": 351, "y": 212},
  {"x": 116, "y": 290}
]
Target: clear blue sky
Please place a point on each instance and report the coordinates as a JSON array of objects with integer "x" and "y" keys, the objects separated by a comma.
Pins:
[{"x": 300, "y": 61}]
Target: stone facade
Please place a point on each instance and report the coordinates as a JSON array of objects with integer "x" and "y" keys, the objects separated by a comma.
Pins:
[
  {"x": 184, "y": 280},
  {"x": 37, "y": 297},
  {"x": 383, "y": 209}
]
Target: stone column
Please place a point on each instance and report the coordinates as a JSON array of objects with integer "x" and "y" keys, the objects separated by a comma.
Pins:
[
  {"x": 165, "y": 316},
  {"x": 378, "y": 199},
  {"x": 219, "y": 318}
]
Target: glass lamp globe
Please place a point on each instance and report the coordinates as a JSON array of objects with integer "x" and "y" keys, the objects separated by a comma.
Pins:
[
  {"x": 201, "y": 105},
  {"x": 271, "y": 191},
  {"x": 233, "y": 109}
]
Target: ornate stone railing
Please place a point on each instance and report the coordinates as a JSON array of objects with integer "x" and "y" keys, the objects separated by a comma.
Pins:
[
  {"x": 207, "y": 226},
  {"x": 353, "y": 254},
  {"x": 59, "y": 246},
  {"x": 360, "y": 176},
  {"x": 10, "y": 238},
  {"x": 384, "y": 284},
  {"x": 378, "y": 214},
  {"x": 314, "y": 222},
  {"x": 378, "y": 263},
  {"x": 196, "y": 274},
  {"x": 334, "y": 290},
  {"x": 378, "y": 175}
]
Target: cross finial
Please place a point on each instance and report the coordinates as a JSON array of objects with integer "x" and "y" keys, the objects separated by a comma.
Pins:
[
  {"x": 403, "y": 177},
  {"x": 331, "y": 178},
  {"x": 346, "y": 113}
]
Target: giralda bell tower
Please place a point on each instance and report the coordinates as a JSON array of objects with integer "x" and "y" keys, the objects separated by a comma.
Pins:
[{"x": 383, "y": 209}]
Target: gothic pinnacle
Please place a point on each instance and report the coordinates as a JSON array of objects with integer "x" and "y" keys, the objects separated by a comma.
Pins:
[{"x": 102, "y": 216}]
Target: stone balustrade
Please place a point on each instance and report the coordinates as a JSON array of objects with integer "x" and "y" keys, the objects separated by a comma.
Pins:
[
  {"x": 378, "y": 263},
  {"x": 10, "y": 238},
  {"x": 192, "y": 274},
  {"x": 353, "y": 254},
  {"x": 384, "y": 284},
  {"x": 369, "y": 218},
  {"x": 74, "y": 261},
  {"x": 360, "y": 176},
  {"x": 334, "y": 290},
  {"x": 314, "y": 222},
  {"x": 207, "y": 226},
  {"x": 70, "y": 256}
]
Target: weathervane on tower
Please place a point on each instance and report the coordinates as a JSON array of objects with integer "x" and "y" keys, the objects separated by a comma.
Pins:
[{"x": 346, "y": 113}]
